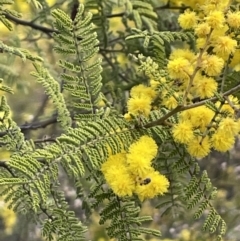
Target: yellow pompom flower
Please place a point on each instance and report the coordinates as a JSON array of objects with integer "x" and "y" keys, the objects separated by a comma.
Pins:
[
  {"x": 199, "y": 147},
  {"x": 157, "y": 186},
  {"x": 183, "y": 132},
  {"x": 143, "y": 91},
  {"x": 229, "y": 125},
  {"x": 140, "y": 155},
  {"x": 117, "y": 175},
  {"x": 180, "y": 68},
  {"x": 213, "y": 5},
  {"x": 123, "y": 184},
  {"x": 132, "y": 172},
  {"x": 170, "y": 102},
  {"x": 219, "y": 32},
  {"x": 139, "y": 106},
  {"x": 212, "y": 65},
  {"x": 147, "y": 144},
  {"x": 205, "y": 87},
  {"x": 215, "y": 19},
  {"x": 186, "y": 115},
  {"x": 202, "y": 30},
  {"x": 188, "y": 19},
  {"x": 195, "y": 4},
  {"x": 138, "y": 165},
  {"x": 222, "y": 142},
  {"x": 224, "y": 46},
  {"x": 113, "y": 160},
  {"x": 201, "y": 117},
  {"x": 200, "y": 43},
  {"x": 184, "y": 53},
  {"x": 233, "y": 19}
]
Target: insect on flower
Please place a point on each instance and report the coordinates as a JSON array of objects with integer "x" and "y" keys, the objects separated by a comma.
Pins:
[{"x": 145, "y": 181}]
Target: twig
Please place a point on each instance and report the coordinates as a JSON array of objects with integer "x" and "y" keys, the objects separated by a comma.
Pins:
[
  {"x": 43, "y": 29},
  {"x": 40, "y": 124},
  {"x": 225, "y": 74},
  {"x": 197, "y": 68},
  {"x": 33, "y": 126},
  {"x": 50, "y": 31},
  {"x": 231, "y": 104},
  {"x": 113, "y": 67},
  {"x": 43, "y": 140},
  {"x": 183, "y": 108}
]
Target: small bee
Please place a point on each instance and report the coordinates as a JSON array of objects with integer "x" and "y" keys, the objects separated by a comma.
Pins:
[{"x": 145, "y": 181}]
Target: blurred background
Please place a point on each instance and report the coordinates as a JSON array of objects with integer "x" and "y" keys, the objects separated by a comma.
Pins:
[{"x": 34, "y": 113}]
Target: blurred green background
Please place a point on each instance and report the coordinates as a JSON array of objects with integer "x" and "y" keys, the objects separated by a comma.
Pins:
[{"x": 31, "y": 108}]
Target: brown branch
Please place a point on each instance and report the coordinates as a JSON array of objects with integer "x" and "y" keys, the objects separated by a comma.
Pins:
[
  {"x": 50, "y": 31},
  {"x": 44, "y": 140},
  {"x": 33, "y": 126},
  {"x": 39, "y": 124},
  {"x": 183, "y": 108},
  {"x": 43, "y": 29}
]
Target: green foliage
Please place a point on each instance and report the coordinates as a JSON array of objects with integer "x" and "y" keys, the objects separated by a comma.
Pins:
[
  {"x": 5, "y": 11},
  {"x": 53, "y": 91},
  {"x": 82, "y": 76},
  {"x": 159, "y": 42},
  {"x": 92, "y": 126}
]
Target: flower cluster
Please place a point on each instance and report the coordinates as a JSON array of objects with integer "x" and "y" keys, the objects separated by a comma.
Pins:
[
  {"x": 141, "y": 100},
  {"x": 197, "y": 75},
  {"x": 131, "y": 172},
  {"x": 201, "y": 129}
]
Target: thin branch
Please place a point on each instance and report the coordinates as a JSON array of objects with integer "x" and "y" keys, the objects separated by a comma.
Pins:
[
  {"x": 41, "y": 108},
  {"x": 197, "y": 68},
  {"x": 167, "y": 6},
  {"x": 43, "y": 29},
  {"x": 115, "y": 15},
  {"x": 33, "y": 126},
  {"x": 225, "y": 74},
  {"x": 40, "y": 124},
  {"x": 183, "y": 108},
  {"x": 50, "y": 31},
  {"x": 231, "y": 104},
  {"x": 44, "y": 140},
  {"x": 114, "y": 67}
]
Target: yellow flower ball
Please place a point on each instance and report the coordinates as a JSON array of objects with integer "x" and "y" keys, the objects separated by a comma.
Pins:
[
  {"x": 233, "y": 19},
  {"x": 212, "y": 65},
  {"x": 157, "y": 186},
  {"x": 188, "y": 19},
  {"x": 141, "y": 90},
  {"x": 202, "y": 30},
  {"x": 215, "y": 19},
  {"x": 229, "y": 125},
  {"x": 184, "y": 53},
  {"x": 224, "y": 46},
  {"x": 139, "y": 106},
  {"x": 199, "y": 147},
  {"x": 183, "y": 132},
  {"x": 221, "y": 142},
  {"x": 205, "y": 87},
  {"x": 180, "y": 68}
]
